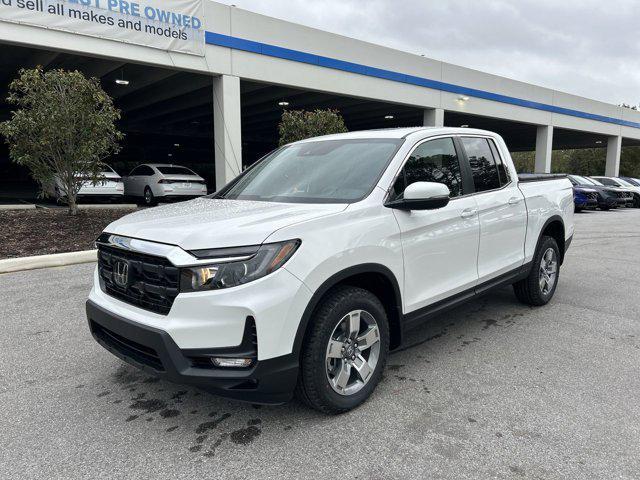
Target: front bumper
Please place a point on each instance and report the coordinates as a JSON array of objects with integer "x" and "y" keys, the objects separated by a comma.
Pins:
[{"x": 153, "y": 350}]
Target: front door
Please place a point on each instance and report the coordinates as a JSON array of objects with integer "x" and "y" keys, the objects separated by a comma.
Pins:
[{"x": 440, "y": 246}]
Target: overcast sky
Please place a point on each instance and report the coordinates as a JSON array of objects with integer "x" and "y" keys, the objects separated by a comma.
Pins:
[{"x": 586, "y": 47}]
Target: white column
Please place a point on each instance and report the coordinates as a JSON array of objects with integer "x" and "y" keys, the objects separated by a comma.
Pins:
[
  {"x": 227, "y": 131},
  {"x": 544, "y": 145},
  {"x": 433, "y": 117},
  {"x": 614, "y": 147}
]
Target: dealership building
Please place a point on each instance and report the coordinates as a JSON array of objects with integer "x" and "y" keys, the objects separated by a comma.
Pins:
[{"x": 204, "y": 84}]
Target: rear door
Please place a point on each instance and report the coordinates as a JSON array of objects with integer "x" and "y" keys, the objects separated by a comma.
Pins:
[
  {"x": 130, "y": 181},
  {"x": 502, "y": 212},
  {"x": 440, "y": 246}
]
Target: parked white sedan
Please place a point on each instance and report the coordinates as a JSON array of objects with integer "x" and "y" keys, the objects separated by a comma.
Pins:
[
  {"x": 110, "y": 187},
  {"x": 155, "y": 181}
]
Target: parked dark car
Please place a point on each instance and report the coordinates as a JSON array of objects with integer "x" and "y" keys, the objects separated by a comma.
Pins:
[
  {"x": 607, "y": 198},
  {"x": 632, "y": 181},
  {"x": 631, "y": 193},
  {"x": 584, "y": 198}
]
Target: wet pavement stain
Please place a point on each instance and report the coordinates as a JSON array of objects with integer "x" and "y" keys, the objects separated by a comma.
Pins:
[
  {"x": 212, "y": 450},
  {"x": 148, "y": 406},
  {"x": 489, "y": 322},
  {"x": 394, "y": 368},
  {"x": 169, "y": 413},
  {"x": 177, "y": 397},
  {"x": 171, "y": 429},
  {"x": 203, "y": 427},
  {"x": 103, "y": 394},
  {"x": 245, "y": 436},
  {"x": 131, "y": 418}
]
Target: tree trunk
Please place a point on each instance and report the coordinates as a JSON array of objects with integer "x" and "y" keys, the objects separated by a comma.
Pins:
[{"x": 73, "y": 206}]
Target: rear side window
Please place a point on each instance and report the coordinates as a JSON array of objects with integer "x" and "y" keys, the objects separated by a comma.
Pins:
[
  {"x": 432, "y": 161},
  {"x": 483, "y": 164}
]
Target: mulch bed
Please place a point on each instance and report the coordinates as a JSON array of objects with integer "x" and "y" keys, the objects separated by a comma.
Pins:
[{"x": 24, "y": 233}]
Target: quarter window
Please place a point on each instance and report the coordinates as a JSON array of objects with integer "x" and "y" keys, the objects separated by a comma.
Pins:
[
  {"x": 432, "y": 161},
  {"x": 503, "y": 171},
  {"x": 483, "y": 164}
]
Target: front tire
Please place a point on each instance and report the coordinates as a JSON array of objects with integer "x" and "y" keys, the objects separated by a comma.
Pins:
[
  {"x": 540, "y": 285},
  {"x": 344, "y": 352}
]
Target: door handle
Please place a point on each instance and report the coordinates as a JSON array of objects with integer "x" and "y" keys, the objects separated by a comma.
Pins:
[
  {"x": 514, "y": 200},
  {"x": 468, "y": 212}
]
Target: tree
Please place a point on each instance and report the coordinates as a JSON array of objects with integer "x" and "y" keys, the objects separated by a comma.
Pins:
[
  {"x": 300, "y": 124},
  {"x": 63, "y": 127}
]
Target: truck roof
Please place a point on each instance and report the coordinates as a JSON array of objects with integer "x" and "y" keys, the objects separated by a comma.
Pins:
[{"x": 400, "y": 133}]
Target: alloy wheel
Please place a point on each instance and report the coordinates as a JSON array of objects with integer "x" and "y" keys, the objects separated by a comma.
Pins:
[
  {"x": 353, "y": 352},
  {"x": 548, "y": 271}
]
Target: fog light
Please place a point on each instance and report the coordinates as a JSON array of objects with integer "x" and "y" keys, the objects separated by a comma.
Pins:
[{"x": 231, "y": 362}]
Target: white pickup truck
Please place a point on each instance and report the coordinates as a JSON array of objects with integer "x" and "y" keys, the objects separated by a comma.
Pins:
[{"x": 308, "y": 268}]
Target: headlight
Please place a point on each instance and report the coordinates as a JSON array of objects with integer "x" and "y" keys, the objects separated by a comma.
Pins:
[{"x": 267, "y": 259}]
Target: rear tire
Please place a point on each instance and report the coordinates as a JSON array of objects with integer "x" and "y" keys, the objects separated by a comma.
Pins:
[
  {"x": 149, "y": 199},
  {"x": 540, "y": 285},
  {"x": 336, "y": 372}
]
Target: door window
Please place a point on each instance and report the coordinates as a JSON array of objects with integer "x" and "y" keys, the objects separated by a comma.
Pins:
[
  {"x": 432, "y": 161},
  {"x": 483, "y": 164},
  {"x": 503, "y": 171}
]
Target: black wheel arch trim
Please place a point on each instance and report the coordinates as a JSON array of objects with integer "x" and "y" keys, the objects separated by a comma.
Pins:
[
  {"x": 565, "y": 243},
  {"x": 335, "y": 280}
]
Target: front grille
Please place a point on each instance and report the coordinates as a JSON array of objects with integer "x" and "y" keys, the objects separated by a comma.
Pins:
[
  {"x": 624, "y": 195},
  {"x": 592, "y": 195},
  {"x": 152, "y": 281},
  {"x": 136, "y": 351}
]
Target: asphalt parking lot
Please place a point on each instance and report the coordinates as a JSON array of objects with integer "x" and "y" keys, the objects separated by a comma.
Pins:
[{"x": 491, "y": 390}]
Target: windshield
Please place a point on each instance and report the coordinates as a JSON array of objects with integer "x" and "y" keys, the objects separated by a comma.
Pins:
[
  {"x": 581, "y": 180},
  {"x": 175, "y": 171},
  {"x": 324, "y": 171},
  {"x": 624, "y": 183},
  {"x": 596, "y": 182}
]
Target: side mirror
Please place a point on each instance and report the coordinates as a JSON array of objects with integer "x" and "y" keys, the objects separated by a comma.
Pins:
[{"x": 422, "y": 196}]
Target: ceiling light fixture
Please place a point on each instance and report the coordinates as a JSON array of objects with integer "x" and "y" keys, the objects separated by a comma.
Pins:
[
  {"x": 283, "y": 104},
  {"x": 598, "y": 141},
  {"x": 169, "y": 154},
  {"x": 463, "y": 98},
  {"x": 121, "y": 80},
  {"x": 464, "y": 126},
  {"x": 388, "y": 117},
  {"x": 176, "y": 145}
]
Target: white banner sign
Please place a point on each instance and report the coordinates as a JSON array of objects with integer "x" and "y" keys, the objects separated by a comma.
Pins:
[{"x": 176, "y": 25}]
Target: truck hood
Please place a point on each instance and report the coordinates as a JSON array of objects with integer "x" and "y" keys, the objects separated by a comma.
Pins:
[{"x": 211, "y": 223}]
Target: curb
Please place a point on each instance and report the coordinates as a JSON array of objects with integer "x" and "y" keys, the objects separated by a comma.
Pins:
[
  {"x": 17, "y": 207},
  {"x": 10, "y": 265}
]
